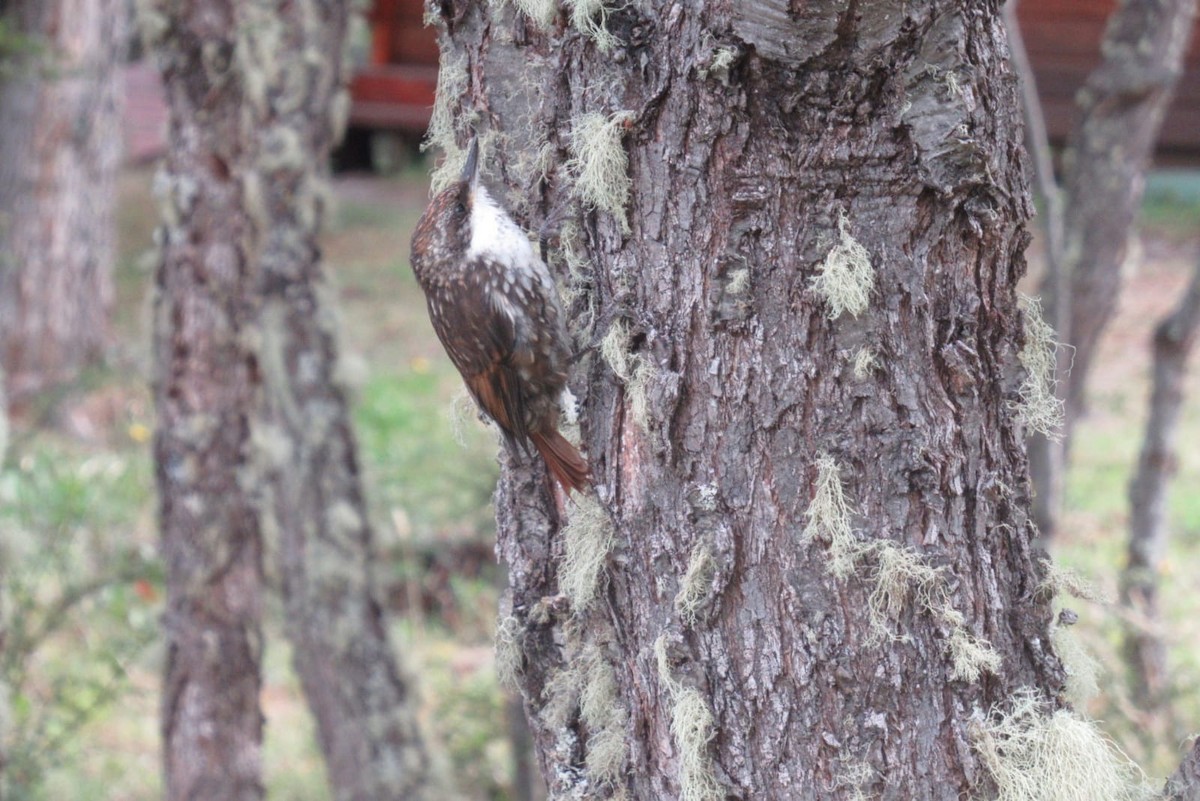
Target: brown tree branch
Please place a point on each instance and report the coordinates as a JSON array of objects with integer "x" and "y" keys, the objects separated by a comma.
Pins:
[
  {"x": 1123, "y": 103},
  {"x": 1174, "y": 340}
]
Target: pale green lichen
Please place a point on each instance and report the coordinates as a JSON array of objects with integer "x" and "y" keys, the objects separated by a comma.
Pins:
[
  {"x": 614, "y": 349},
  {"x": 739, "y": 281},
  {"x": 451, "y": 87},
  {"x": 560, "y": 696},
  {"x": 692, "y": 728},
  {"x": 272, "y": 445},
  {"x": 1059, "y": 580},
  {"x": 587, "y": 539},
  {"x": 865, "y": 363},
  {"x": 601, "y": 711},
  {"x": 152, "y": 21},
  {"x": 1081, "y": 669},
  {"x": 899, "y": 574},
  {"x": 635, "y": 371},
  {"x": 590, "y": 17},
  {"x": 570, "y": 253},
  {"x": 855, "y": 774},
  {"x": 540, "y": 12},
  {"x": 845, "y": 278},
  {"x": 508, "y": 654},
  {"x": 970, "y": 657},
  {"x": 694, "y": 588},
  {"x": 828, "y": 517},
  {"x": 718, "y": 66},
  {"x": 1039, "y": 408},
  {"x": 639, "y": 398},
  {"x": 599, "y": 163},
  {"x": 1034, "y": 754}
]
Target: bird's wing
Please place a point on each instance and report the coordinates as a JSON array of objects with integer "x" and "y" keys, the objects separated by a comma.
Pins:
[{"x": 478, "y": 327}]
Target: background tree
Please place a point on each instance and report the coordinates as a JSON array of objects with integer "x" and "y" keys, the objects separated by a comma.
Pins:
[
  {"x": 60, "y": 112},
  {"x": 254, "y": 450},
  {"x": 1174, "y": 341},
  {"x": 1089, "y": 220},
  {"x": 808, "y": 569}
]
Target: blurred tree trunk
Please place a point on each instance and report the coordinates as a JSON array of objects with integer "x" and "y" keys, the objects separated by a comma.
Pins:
[
  {"x": 257, "y": 98},
  {"x": 59, "y": 154},
  {"x": 1174, "y": 340},
  {"x": 1122, "y": 106},
  {"x": 207, "y": 382},
  {"x": 1046, "y": 453},
  {"x": 366, "y": 714},
  {"x": 807, "y": 572}
]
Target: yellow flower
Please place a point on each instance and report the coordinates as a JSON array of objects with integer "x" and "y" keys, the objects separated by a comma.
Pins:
[{"x": 139, "y": 433}]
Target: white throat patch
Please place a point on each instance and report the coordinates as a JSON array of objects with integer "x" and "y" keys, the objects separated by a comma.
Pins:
[{"x": 495, "y": 234}]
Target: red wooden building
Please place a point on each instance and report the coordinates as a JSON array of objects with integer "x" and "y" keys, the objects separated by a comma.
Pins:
[{"x": 395, "y": 90}]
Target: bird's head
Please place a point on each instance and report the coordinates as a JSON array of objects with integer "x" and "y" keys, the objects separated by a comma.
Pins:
[{"x": 444, "y": 231}]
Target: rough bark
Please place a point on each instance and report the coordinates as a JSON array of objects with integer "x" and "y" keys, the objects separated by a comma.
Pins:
[
  {"x": 1122, "y": 103},
  {"x": 1184, "y": 785},
  {"x": 1174, "y": 340},
  {"x": 206, "y": 385},
  {"x": 60, "y": 114},
  {"x": 257, "y": 97},
  {"x": 720, "y": 656},
  {"x": 1046, "y": 453}
]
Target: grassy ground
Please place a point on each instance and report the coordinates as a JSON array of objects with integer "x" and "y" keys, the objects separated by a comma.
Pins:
[
  {"x": 1105, "y": 449},
  {"x": 77, "y": 494}
]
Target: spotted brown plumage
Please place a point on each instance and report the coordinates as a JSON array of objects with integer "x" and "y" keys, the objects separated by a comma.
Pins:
[{"x": 495, "y": 309}]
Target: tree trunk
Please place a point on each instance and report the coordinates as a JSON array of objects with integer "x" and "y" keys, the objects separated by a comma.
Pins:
[
  {"x": 206, "y": 385},
  {"x": 60, "y": 114},
  {"x": 258, "y": 100},
  {"x": 366, "y": 715},
  {"x": 1174, "y": 340},
  {"x": 1123, "y": 104},
  {"x": 1184, "y": 785},
  {"x": 1046, "y": 453},
  {"x": 807, "y": 570}
]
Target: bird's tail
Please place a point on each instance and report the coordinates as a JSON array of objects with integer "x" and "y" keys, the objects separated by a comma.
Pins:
[{"x": 564, "y": 461}]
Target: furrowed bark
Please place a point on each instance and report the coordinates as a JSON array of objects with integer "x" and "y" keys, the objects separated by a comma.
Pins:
[
  {"x": 1046, "y": 454},
  {"x": 1184, "y": 784},
  {"x": 767, "y": 141}
]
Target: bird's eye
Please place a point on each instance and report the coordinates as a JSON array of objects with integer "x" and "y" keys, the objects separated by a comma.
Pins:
[{"x": 460, "y": 209}]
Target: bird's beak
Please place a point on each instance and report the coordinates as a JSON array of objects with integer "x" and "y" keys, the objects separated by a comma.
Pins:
[{"x": 470, "y": 170}]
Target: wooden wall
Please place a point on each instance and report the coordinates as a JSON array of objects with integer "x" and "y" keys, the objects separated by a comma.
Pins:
[{"x": 1063, "y": 40}]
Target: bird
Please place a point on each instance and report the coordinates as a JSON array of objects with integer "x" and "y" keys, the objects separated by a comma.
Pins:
[{"x": 495, "y": 308}]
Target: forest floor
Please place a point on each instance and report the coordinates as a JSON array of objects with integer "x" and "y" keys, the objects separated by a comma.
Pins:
[{"x": 78, "y": 484}]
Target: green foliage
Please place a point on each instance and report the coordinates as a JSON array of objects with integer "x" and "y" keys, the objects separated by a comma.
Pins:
[
  {"x": 406, "y": 432},
  {"x": 13, "y": 46},
  {"x": 77, "y": 600},
  {"x": 467, "y": 712},
  {"x": 1172, "y": 201}
]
